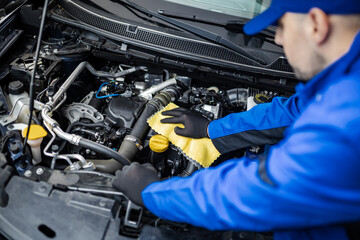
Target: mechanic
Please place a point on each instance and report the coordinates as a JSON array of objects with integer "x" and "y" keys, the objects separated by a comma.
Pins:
[{"x": 307, "y": 186}]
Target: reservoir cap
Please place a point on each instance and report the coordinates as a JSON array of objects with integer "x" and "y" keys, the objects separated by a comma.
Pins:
[
  {"x": 16, "y": 88},
  {"x": 36, "y": 132},
  {"x": 159, "y": 143}
]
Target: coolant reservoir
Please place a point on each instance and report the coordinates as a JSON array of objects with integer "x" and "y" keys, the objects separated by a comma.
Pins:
[
  {"x": 259, "y": 98},
  {"x": 17, "y": 93},
  {"x": 36, "y": 135}
]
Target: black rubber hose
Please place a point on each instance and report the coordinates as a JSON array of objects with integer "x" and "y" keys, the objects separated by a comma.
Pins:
[
  {"x": 190, "y": 169},
  {"x": 129, "y": 149},
  {"x": 103, "y": 150},
  {"x": 106, "y": 166},
  {"x": 141, "y": 127}
]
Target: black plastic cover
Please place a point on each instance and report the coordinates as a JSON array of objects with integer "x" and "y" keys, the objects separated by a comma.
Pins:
[
  {"x": 36, "y": 210},
  {"x": 5, "y": 174},
  {"x": 123, "y": 112}
]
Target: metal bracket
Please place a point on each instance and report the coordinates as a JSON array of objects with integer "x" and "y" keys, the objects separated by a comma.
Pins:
[
  {"x": 86, "y": 100},
  {"x": 134, "y": 140},
  {"x": 76, "y": 111},
  {"x": 133, "y": 215},
  {"x": 16, "y": 110}
]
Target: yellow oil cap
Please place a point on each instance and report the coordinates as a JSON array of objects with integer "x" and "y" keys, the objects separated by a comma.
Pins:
[
  {"x": 159, "y": 143},
  {"x": 36, "y": 132}
]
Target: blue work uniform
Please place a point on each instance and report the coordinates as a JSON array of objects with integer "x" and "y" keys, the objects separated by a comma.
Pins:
[{"x": 306, "y": 186}]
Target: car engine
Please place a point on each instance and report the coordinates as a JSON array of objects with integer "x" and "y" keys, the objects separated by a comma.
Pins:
[{"x": 93, "y": 96}]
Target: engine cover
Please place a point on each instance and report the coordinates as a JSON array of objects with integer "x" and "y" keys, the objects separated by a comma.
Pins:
[{"x": 123, "y": 112}]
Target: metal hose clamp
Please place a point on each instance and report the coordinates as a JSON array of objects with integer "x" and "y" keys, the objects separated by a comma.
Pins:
[{"x": 134, "y": 140}]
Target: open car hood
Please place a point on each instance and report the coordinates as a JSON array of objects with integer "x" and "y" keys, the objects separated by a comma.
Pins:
[{"x": 98, "y": 72}]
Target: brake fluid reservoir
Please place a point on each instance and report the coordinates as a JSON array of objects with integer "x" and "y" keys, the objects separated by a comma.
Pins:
[{"x": 18, "y": 96}]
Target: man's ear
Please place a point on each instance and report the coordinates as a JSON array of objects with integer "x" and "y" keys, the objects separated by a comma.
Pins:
[{"x": 319, "y": 25}]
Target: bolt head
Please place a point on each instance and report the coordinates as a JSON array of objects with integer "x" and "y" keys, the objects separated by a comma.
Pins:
[
  {"x": 14, "y": 147},
  {"x": 55, "y": 148},
  {"x": 27, "y": 173},
  {"x": 102, "y": 203},
  {"x": 39, "y": 171}
]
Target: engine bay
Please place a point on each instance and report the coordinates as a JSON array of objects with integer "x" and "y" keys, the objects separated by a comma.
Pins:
[{"x": 93, "y": 96}]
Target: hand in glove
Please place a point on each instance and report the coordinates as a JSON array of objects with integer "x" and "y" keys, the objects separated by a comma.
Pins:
[
  {"x": 195, "y": 125},
  {"x": 133, "y": 179}
]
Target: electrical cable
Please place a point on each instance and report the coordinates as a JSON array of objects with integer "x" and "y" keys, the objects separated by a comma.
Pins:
[
  {"x": 37, "y": 52},
  {"x": 105, "y": 96}
]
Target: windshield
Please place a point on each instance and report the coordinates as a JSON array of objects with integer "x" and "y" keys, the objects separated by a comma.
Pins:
[{"x": 240, "y": 8}]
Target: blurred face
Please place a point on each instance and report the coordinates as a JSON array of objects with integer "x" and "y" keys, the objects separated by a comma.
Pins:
[{"x": 293, "y": 34}]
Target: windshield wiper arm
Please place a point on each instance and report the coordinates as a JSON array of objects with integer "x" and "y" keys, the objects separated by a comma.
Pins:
[
  {"x": 197, "y": 31},
  {"x": 190, "y": 17},
  {"x": 235, "y": 26}
]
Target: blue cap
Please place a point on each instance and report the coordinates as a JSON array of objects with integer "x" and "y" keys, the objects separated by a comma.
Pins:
[{"x": 279, "y": 7}]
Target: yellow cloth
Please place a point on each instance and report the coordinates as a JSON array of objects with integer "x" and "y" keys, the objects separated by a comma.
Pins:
[{"x": 199, "y": 151}]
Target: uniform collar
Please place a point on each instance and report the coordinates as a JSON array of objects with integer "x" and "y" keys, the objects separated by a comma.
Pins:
[{"x": 332, "y": 73}]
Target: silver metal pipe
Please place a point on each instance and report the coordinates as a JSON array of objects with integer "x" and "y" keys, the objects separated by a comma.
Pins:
[
  {"x": 48, "y": 121},
  {"x": 78, "y": 70},
  {"x": 50, "y": 126},
  {"x": 90, "y": 190},
  {"x": 71, "y": 138},
  {"x": 46, "y": 153},
  {"x": 113, "y": 75},
  {"x": 100, "y": 174},
  {"x": 62, "y": 101},
  {"x": 68, "y": 82},
  {"x": 53, "y": 126},
  {"x": 75, "y": 156},
  {"x": 53, "y": 162},
  {"x": 148, "y": 93}
]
